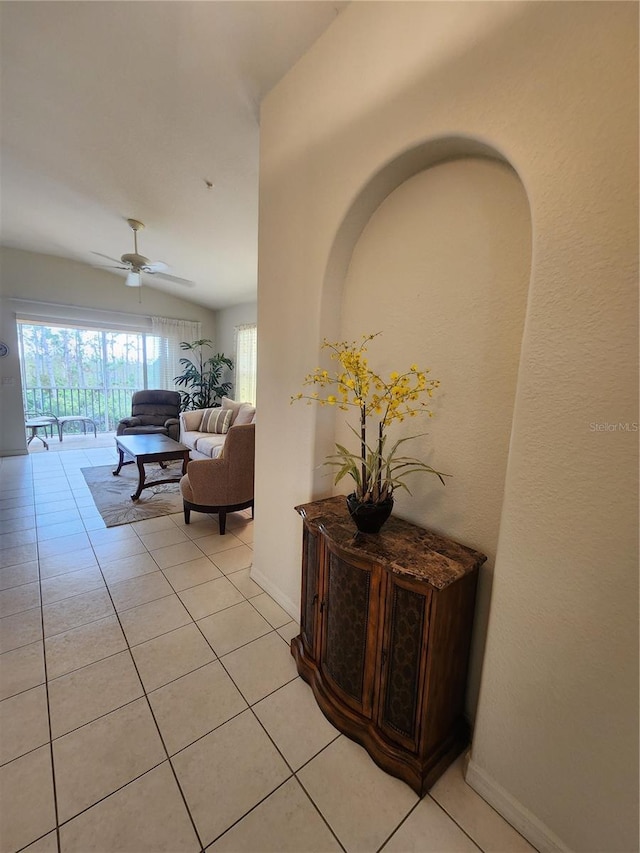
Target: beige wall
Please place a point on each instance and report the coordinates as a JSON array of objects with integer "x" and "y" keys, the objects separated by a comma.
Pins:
[
  {"x": 50, "y": 280},
  {"x": 389, "y": 90},
  {"x": 447, "y": 258}
]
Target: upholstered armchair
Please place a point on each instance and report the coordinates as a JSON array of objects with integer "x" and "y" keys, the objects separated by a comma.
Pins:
[
  {"x": 152, "y": 412},
  {"x": 224, "y": 484}
]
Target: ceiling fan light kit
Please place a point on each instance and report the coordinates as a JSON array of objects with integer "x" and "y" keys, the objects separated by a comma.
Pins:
[{"x": 136, "y": 264}]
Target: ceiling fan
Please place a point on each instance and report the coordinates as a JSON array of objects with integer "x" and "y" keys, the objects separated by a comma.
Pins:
[{"x": 137, "y": 264}]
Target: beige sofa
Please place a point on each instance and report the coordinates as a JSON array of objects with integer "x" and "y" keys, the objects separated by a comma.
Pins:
[{"x": 209, "y": 445}]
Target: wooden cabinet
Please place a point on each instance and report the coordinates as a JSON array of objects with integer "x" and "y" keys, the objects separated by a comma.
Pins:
[{"x": 384, "y": 637}]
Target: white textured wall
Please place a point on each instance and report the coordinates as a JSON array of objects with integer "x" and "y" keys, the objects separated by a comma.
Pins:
[
  {"x": 553, "y": 88},
  {"x": 47, "y": 279}
]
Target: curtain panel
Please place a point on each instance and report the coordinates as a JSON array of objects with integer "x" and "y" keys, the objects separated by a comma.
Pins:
[
  {"x": 246, "y": 362},
  {"x": 170, "y": 334}
]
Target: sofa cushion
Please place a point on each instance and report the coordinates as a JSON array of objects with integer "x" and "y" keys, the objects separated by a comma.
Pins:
[
  {"x": 245, "y": 414},
  {"x": 216, "y": 421},
  {"x": 210, "y": 444},
  {"x": 233, "y": 406}
]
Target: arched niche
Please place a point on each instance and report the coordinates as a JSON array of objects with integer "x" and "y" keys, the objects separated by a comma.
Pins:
[{"x": 435, "y": 252}]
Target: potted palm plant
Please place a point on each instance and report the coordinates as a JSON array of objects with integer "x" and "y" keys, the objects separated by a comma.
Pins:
[
  {"x": 201, "y": 377},
  {"x": 377, "y": 468}
]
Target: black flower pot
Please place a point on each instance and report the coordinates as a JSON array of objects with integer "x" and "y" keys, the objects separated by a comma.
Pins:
[{"x": 369, "y": 517}]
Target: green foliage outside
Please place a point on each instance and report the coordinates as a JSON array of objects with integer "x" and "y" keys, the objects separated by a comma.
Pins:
[
  {"x": 67, "y": 371},
  {"x": 201, "y": 377}
]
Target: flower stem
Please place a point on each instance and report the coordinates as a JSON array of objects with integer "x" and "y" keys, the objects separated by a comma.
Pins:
[{"x": 363, "y": 446}]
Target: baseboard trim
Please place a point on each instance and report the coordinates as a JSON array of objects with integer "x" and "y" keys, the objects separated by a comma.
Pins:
[
  {"x": 292, "y": 608},
  {"x": 14, "y": 453},
  {"x": 527, "y": 824}
]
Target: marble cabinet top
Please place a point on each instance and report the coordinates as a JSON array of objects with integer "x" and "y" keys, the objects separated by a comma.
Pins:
[{"x": 400, "y": 547}]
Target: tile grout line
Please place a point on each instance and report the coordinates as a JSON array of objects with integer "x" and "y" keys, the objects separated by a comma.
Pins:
[
  {"x": 272, "y": 629},
  {"x": 153, "y": 717},
  {"x": 46, "y": 683}
]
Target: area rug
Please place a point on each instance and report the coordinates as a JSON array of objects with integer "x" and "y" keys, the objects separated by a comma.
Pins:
[{"x": 112, "y": 495}]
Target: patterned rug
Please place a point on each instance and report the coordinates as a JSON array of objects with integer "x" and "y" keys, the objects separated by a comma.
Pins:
[{"x": 112, "y": 495}]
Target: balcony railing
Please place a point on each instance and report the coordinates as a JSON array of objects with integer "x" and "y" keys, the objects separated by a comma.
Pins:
[{"x": 104, "y": 406}]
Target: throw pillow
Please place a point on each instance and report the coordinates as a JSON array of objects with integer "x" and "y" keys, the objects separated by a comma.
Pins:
[
  {"x": 216, "y": 420},
  {"x": 232, "y": 406},
  {"x": 245, "y": 415}
]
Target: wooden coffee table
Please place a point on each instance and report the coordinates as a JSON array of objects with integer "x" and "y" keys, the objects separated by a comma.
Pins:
[{"x": 149, "y": 448}]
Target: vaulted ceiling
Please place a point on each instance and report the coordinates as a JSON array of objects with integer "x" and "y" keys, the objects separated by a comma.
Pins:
[{"x": 116, "y": 110}]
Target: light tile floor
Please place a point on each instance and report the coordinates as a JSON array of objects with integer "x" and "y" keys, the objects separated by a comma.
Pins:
[{"x": 149, "y": 701}]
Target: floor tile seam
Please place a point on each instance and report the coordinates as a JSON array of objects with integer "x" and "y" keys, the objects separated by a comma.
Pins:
[
  {"x": 27, "y": 751},
  {"x": 401, "y": 823},
  {"x": 74, "y": 595},
  {"x": 242, "y": 645},
  {"x": 265, "y": 730},
  {"x": 26, "y": 690},
  {"x": 221, "y": 660},
  {"x": 39, "y": 838},
  {"x": 264, "y": 617},
  {"x": 206, "y": 639},
  {"x": 155, "y": 722},
  {"x": 100, "y": 716},
  {"x": 51, "y": 524},
  {"x": 248, "y": 812},
  {"x": 317, "y": 807},
  {"x": 164, "y": 747},
  {"x": 12, "y": 565},
  {"x": 215, "y": 554},
  {"x": 453, "y": 819},
  {"x": 85, "y": 665},
  {"x": 495, "y": 811},
  {"x": 178, "y": 677},
  {"x": 210, "y": 732},
  {"x": 17, "y": 586},
  {"x": 142, "y": 603},
  {"x": 18, "y": 612},
  {"x": 178, "y": 591},
  {"x": 222, "y": 609},
  {"x": 183, "y": 561},
  {"x": 336, "y": 737},
  {"x": 67, "y": 820},
  {"x": 21, "y": 646},
  {"x": 48, "y": 700},
  {"x": 79, "y": 625}
]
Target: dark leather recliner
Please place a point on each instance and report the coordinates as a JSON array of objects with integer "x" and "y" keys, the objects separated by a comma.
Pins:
[{"x": 153, "y": 412}]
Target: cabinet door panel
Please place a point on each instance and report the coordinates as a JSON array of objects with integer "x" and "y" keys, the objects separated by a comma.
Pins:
[
  {"x": 348, "y": 630},
  {"x": 310, "y": 579},
  {"x": 403, "y": 656}
]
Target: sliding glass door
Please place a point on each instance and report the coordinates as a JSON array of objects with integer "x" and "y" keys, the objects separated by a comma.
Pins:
[{"x": 82, "y": 371}]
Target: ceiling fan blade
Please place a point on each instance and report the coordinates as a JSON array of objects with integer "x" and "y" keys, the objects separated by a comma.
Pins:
[
  {"x": 108, "y": 257},
  {"x": 107, "y": 267},
  {"x": 174, "y": 279},
  {"x": 154, "y": 267}
]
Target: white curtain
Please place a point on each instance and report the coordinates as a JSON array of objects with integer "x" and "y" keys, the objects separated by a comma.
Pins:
[
  {"x": 246, "y": 362},
  {"x": 170, "y": 334}
]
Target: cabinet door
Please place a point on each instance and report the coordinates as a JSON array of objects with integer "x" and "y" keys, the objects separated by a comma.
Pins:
[
  {"x": 404, "y": 650},
  {"x": 310, "y": 581},
  {"x": 350, "y": 600}
]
